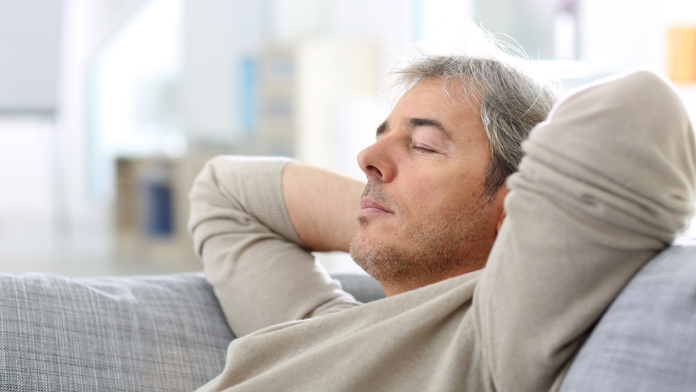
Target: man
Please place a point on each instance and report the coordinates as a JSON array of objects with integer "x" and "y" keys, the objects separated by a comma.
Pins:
[
  {"x": 579, "y": 220},
  {"x": 455, "y": 145}
]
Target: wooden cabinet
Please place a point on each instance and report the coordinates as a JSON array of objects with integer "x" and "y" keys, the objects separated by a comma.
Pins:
[{"x": 151, "y": 209}]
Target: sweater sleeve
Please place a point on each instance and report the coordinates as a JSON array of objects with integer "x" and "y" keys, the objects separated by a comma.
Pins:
[
  {"x": 251, "y": 254},
  {"x": 606, "y": 183}
]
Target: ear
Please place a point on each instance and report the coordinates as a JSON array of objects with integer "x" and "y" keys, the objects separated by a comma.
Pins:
[
  {"x": 502, "y": 192},
  {"x": 500, "y": 221}
]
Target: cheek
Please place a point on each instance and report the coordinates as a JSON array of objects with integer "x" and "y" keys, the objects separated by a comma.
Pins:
[
  {"x": 427, "y": 199},
  {"x": 445, "y": 196}
]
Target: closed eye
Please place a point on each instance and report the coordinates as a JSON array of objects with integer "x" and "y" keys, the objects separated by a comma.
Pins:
[{"x": 423, "y": 149}]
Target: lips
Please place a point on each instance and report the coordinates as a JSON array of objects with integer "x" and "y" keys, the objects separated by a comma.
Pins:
[{"x": 369, "y": 205}]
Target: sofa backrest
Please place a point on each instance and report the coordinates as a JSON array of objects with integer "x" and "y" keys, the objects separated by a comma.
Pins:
[
  {"x": 646, "y": 340},
  {"x": 167, "y": 333},
  {"x": 157, "y": 333}
]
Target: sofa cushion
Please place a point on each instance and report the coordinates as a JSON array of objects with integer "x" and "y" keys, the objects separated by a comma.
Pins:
[
  {"x": 362, "y": 286},
  {"x": 162, "y": 333},
  {"x": 646, "y": 340},
  {"x": 158, "y": 333}
]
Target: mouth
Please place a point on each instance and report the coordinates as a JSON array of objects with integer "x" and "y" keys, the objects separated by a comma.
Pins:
[{"x": 369, "y": 206}]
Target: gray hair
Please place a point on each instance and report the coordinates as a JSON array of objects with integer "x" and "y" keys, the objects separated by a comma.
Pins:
[{"x": 511, "y": 103}]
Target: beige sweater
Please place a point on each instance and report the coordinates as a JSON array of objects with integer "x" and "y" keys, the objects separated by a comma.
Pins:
[{"x": 606, "y": 183}]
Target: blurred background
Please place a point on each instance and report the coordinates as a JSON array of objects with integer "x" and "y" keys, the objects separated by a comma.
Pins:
[{"x": 109, "y": 108}]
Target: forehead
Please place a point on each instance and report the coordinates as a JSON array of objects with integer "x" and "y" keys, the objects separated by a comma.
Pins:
[{"x": 446, "y": 102}]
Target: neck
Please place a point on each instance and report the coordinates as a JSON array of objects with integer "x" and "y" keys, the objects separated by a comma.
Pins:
[{"x": 403, "y": 284}]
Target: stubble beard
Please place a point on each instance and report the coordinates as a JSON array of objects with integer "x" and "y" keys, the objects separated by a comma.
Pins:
[{"x": 450, "y": 245}]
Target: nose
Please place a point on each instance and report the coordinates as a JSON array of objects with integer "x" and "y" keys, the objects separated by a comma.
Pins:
[{"x": 376, "y": 161}]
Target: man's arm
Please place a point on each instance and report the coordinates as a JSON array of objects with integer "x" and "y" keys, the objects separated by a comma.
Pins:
[
  {"x": 606, "y": 184},
  {"x": 252, "y": 256},
  {"x": 323, "y": 206}
]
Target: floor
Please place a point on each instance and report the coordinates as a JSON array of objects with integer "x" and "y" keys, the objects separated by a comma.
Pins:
[
  {"x": 77, "y": 252},
  {"x": 88, "y": 250}
]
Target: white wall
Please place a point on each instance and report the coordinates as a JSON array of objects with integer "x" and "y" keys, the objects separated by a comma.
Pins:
[
  {"x": 29, "y": 45},
  {"x": 627, "y": 33},
  {"x": 329, "y": 72},
  {"x": 620, "y": 33},
  {"x": 25, "y": 170},
  {"x": 210, "y": 50},
  {"x": 43, "y": 161},
  {"x": 86, "y": 24}
]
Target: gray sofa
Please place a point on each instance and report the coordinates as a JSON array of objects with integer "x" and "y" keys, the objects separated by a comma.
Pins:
[{"x": 167, "y": 333}]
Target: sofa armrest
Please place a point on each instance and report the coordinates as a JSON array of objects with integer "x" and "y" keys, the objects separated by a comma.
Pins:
[
  {"x": 646, "y": 340},
  {"x": 163, "y": 333}
]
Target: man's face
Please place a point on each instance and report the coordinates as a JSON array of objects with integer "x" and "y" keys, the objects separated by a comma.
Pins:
[{"x": 424, "y": 214}]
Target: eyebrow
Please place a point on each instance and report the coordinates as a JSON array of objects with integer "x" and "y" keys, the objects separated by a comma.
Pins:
[
  {"x": 381, "y": 129},
  {"x": 413, "y": 122},
  {"x": 428, "y": 122}
]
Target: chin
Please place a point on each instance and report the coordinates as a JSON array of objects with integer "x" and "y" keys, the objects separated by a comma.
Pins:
[
  {"x": 425, "y": 252},
  {"x": 382, "y": 260}
]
